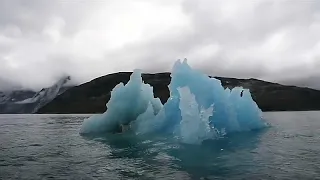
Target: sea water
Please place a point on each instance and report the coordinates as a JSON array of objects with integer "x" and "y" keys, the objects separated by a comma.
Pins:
[{"x": 50, "y": 147}]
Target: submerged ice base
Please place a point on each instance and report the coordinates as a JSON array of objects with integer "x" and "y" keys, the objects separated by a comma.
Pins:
[{"x": 199, "y": 108}]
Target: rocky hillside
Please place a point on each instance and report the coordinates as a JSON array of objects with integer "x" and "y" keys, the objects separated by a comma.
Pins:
[
  {"x": 27, "y": 102},
  {"x": 91, "y": 97}
]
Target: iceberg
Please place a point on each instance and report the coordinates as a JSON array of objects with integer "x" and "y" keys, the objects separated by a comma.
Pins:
[
  {"x": 127, "y": 102},
  {"x": 198, "y": 109}
]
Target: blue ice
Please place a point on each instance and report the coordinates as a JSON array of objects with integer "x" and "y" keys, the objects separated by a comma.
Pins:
[{"x": 199, "y": 108}]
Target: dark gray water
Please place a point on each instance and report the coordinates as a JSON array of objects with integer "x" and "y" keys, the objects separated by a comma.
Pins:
[{"x": 50, "y": 147}]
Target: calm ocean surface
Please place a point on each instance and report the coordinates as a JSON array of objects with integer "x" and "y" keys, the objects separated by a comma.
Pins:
[{"x": 50, "y": 147}]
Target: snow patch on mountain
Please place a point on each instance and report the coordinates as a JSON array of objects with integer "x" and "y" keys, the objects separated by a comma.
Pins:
[{"x": 24, "y": 101}]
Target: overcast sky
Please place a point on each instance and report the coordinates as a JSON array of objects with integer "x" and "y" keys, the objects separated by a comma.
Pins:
[{"x": 41, "y": 40}]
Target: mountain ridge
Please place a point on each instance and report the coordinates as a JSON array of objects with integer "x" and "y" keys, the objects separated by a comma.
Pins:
[
  {"x": 28, "y": 101},
  {"x": 92, "y": 96}
]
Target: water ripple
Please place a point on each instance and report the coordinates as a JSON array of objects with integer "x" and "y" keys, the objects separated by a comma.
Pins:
[{"x": 50, "y": 147}]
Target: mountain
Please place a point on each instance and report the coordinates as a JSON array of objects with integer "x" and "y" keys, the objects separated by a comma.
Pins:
[
  {"x": 15, "y": 96},
  {"x": 26, "y": 101},
  {"x": 92, "y": 96}
]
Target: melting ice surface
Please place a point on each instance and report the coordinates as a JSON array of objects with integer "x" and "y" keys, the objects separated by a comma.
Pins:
[{"x": 199, "y": 108}]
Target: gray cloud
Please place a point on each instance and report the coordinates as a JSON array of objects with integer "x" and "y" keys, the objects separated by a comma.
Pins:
[{"x": 271, "y": 40}]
